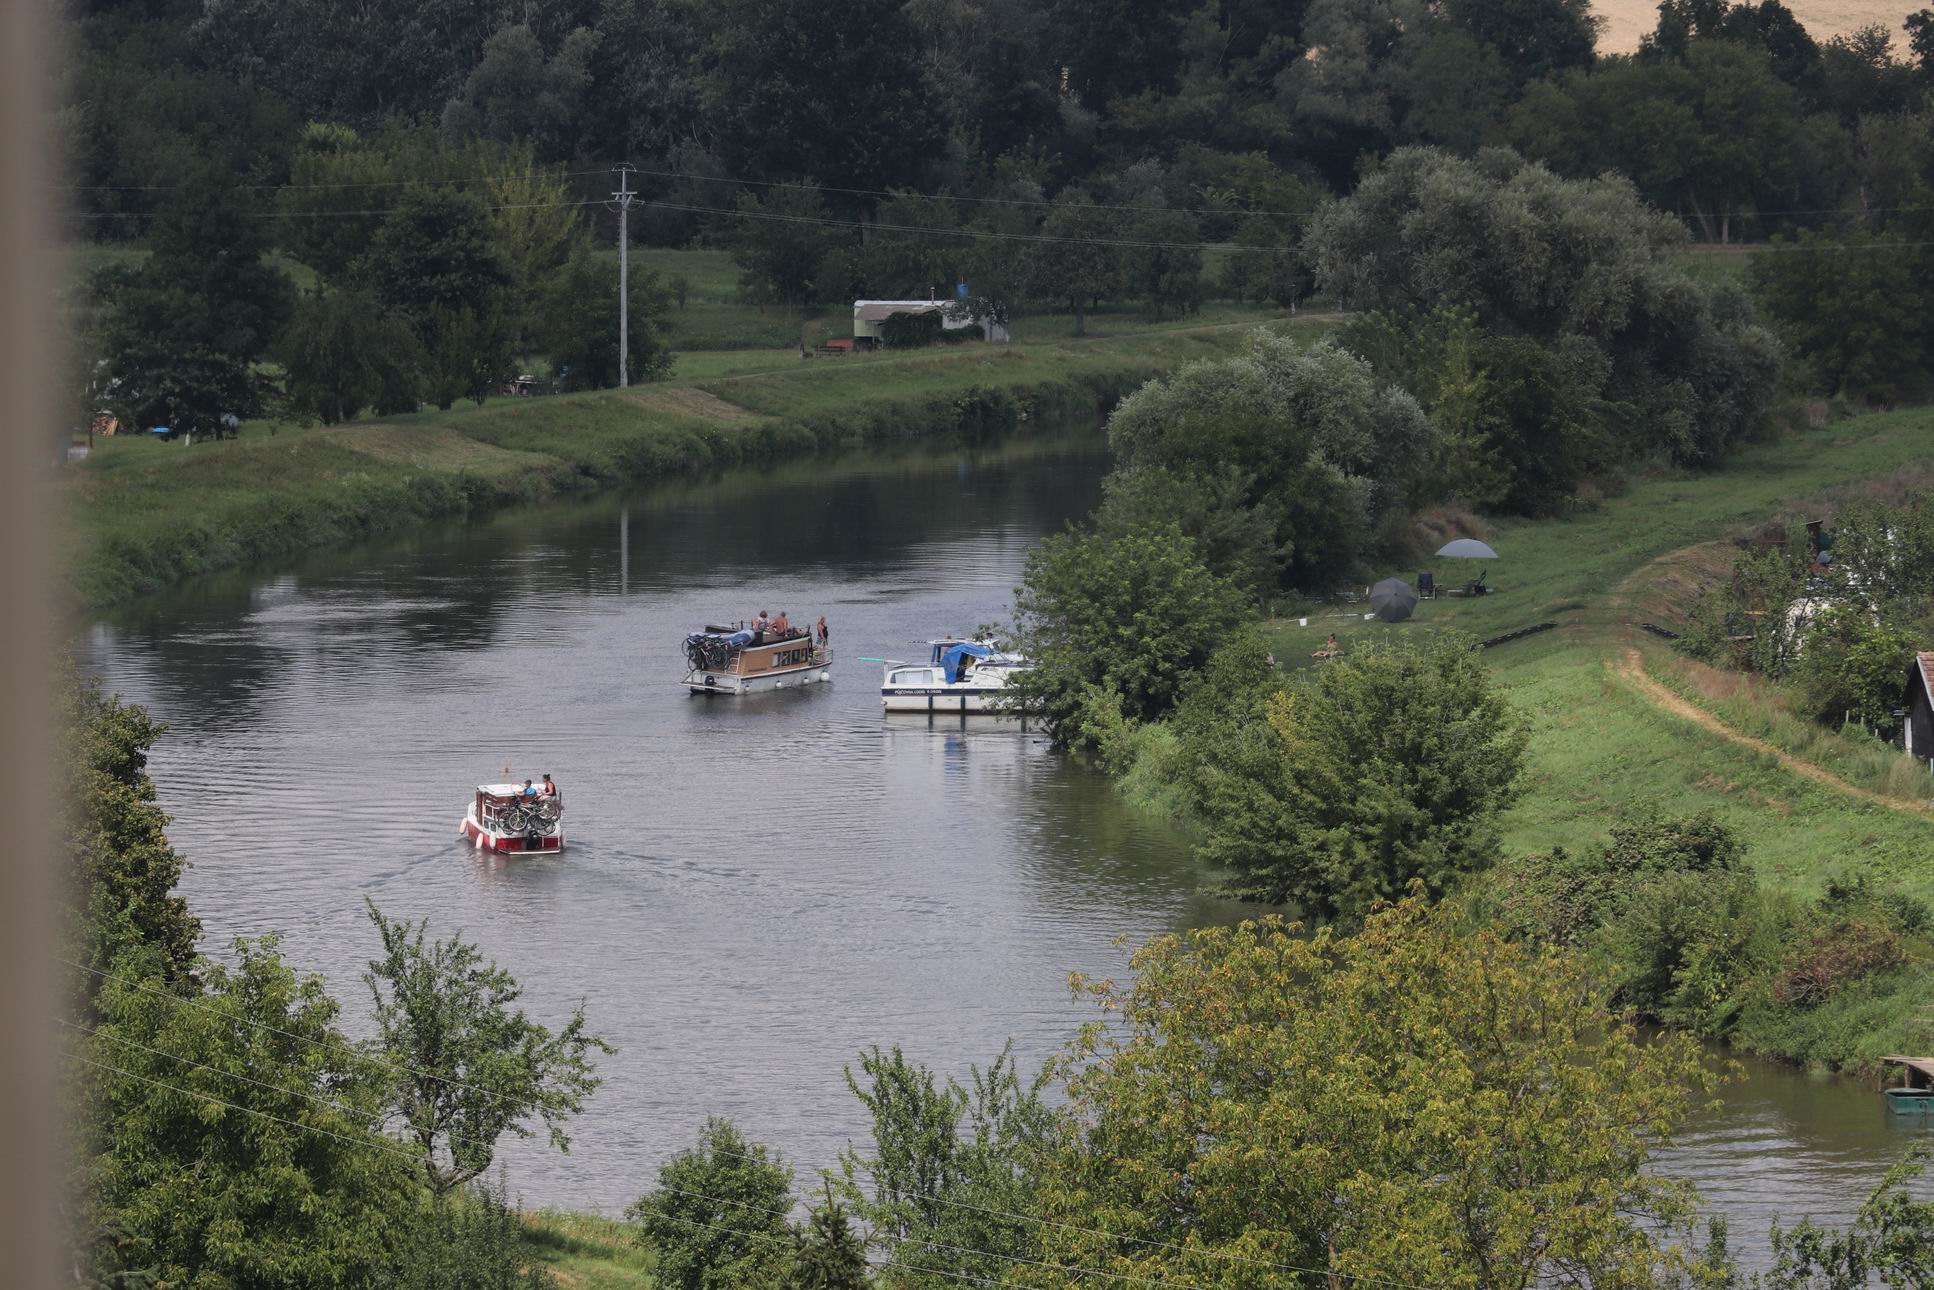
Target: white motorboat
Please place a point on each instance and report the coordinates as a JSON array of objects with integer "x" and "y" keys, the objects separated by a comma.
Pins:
[
  {"x": 958, "y": 676},
  {"x": 738, "y": 660},
  {"x": 503, "y": 817}
]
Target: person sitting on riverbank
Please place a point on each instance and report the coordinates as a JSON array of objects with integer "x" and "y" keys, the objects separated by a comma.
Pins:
[{"x": 1330, "y": 648}]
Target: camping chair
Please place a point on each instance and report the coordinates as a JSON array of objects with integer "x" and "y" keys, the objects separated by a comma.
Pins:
[{"x": 1426, "y": 587}]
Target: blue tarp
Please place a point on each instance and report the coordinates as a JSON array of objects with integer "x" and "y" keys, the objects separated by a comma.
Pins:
[{"x": 951, "y": 660}]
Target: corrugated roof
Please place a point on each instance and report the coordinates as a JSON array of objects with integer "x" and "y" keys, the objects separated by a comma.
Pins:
[{"x": 881, "y": 310}]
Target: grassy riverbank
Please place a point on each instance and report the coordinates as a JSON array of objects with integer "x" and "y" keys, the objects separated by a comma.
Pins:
[
  {"x": 142, "y": 515},
  {"x": 1623, "y": 727}
]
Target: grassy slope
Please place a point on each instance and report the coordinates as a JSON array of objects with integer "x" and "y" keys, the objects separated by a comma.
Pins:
[
  {"x": 585, "y": 1252},
  {"x": 1601, "y": 750},
  {"x": 142, "y": 515}
]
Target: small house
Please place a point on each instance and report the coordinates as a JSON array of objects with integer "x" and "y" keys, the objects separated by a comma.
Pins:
[
  {"x": 1917, "y": 730},
  {"x": 869, "y": 315}
]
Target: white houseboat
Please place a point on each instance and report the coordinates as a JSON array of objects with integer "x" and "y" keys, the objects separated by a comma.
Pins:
[
  {"x": 502, "y": 817},
  {"x": 738, "y": 660},
  {"x": 958, "y": 676}
]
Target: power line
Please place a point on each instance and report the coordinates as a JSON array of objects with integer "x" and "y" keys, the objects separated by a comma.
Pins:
[{"x": 371, "y": 1140}]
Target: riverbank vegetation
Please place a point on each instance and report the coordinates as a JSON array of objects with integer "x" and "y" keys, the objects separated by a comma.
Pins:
[{"x": 1807, "y": 934}]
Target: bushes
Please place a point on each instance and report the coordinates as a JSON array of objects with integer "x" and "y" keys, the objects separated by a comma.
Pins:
[{"x": 1844, "y": 950}]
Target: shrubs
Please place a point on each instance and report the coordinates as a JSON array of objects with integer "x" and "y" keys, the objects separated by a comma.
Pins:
[{"x": 1844, "y": 950}]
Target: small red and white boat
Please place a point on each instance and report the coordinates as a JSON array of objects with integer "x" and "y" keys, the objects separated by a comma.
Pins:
[{"x": 504, "y": 818}]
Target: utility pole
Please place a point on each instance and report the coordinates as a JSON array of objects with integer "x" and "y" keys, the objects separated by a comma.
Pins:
[{"x": 623, "y": 198}]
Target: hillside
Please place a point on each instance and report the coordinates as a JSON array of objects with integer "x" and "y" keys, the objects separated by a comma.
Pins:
[{"x": 1627, "y": 20}]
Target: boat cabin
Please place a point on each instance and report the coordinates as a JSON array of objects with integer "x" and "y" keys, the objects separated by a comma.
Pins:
[
  {"x": 503, "y": 818},
  {"x": 738, "y": 659}
]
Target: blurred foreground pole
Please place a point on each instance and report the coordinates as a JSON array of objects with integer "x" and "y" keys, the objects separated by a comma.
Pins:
[{"x": 30, "y": 1129}]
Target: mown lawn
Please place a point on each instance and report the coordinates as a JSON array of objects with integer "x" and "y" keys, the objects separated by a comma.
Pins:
[{"x": 586, "y": 1252}]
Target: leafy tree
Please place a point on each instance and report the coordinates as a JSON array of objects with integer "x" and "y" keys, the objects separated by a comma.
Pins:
[
  {"x": 581, "y": 324},
  {"x": 123, "y": 871},
  {"x": 1389, "y": 769},
  {"x": 1889, "y": 1241},
  {"x": 537, "y": 228},
  {"x": 1534, "y": 38},
  {"x": 475, "y": 1244},
  {"x": 841, "y": 95},
  {"x": 1283, "y": 459},
  {"x": 1260, "y": 1096},
  {"x": 469, "y": 1067},
  {"x": 717, "y": 1220},
  {"x": 231, "y": 1136},
  {"x": 516, "y": 94},
  {"x": 1579, "y": 266},
  {"x": 1852, "y": 667},
  {"x": 782, "y": 242},
  {"x": 188, "y": 328},
  {"x": 951, "y": 1166},
  {"x": 829, "y": 1254},
  {"x": 1076, "y": 265},
  {"x": 1133, "y": 616},
  {"x": 344, "y": 352},
  {"x": 436, "y": 249},
  {"x": 1167, "y": 271},
  {"x": 1855, "y": 318},
  {"x": 467, "y": 354},
  {"x": 900, "y": 264},
  {"x": 1116, "y": 48}
]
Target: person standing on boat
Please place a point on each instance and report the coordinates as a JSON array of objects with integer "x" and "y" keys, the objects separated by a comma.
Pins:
[{"x": 824, "y": 636}]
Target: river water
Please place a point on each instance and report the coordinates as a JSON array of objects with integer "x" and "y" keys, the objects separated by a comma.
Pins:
[{"x": 754, "y": 889}]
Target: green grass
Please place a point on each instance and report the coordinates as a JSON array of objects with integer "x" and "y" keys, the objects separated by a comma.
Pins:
[
  {"x": 1601, "y": 751},
  {"x": 143, "y": 515},
  {"x": 585, "y": 1252}
]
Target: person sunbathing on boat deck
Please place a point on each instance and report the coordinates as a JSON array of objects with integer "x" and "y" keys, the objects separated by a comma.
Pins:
[{"x": 781, "y": 625}]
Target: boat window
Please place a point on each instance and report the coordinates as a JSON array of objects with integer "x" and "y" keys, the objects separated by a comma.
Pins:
[{"x": 913, "y": 676}]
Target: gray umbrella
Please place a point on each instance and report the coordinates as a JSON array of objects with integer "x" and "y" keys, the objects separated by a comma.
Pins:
[
  {"x": 1467, "y": 549},
  {"x": 1392, "y": 600}
]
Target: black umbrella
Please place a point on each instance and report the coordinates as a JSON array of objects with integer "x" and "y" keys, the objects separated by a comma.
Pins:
[{"x": 1392, "y": 600}]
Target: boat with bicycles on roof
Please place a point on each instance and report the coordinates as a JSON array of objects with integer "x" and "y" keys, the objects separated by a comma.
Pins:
[
  {"x": 748, "y": 659},
  {"x": 506, "y": 818},
  {"x": 958, "y": 676}
]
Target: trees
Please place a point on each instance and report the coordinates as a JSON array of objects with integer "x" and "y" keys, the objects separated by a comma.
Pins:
[
  {"x": 718, "y": 1217},
  {"x": 1284, "y": 463},
  {"x": 1579, "y": 267},
  {"x": 1259, "y": 1097},
  {"x": 187, "y": 329},
  {"x": 344, "y": 352},
  {"x": 123, "y": 870},
  {"x": 1167, "y": 271},
  {"x": 581, "y": 324},
  {"x": 230, "y": 1136},
  {"x": 953, "y": 1168},
  {"x": 1075, "y": 265},
  {"x": 1388, "y": 770},
  {"x": 436, "y": 261},
  {"x": 537, "y": 229},
  {"x": 1856, "y": 318},
  {"x": 838, "y": 95},
  {"x": 1114, "y": 49},
  {"x": 782, "y": 243},
  {"x": 468, "y": 1067},
  {"x": 515, "y": 94},
  {"x": 828, "y": 1255},
  {"x": 1132, "y": 617}
]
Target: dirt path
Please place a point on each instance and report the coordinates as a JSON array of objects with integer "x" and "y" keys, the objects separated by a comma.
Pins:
[{"x": 1631, "y": 668}]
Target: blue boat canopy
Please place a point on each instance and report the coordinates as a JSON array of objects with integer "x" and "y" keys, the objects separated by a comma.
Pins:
[{"x": 952, "y": 659}]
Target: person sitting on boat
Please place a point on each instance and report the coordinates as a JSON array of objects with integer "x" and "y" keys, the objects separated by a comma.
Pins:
[
  {"x": 549, "y": 789},
  {"x": 528, "y": 790},
  {"x": 781, "y": 626}
]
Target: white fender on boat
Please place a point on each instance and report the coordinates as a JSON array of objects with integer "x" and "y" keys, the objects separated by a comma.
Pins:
[{"x": 480, "y": 839}]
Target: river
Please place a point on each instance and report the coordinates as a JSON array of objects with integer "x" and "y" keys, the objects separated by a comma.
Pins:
[{"x": 754, "y": 889}]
